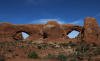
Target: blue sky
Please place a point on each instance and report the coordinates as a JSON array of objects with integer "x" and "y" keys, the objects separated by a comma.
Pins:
[{"x": 40, "y": 11}]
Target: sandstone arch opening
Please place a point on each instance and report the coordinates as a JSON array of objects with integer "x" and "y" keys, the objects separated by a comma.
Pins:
[
  {"x": 25, "y": 35},
  {"x": 73, "y": 34}
]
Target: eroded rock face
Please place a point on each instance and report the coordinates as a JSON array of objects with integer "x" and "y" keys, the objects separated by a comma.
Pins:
[
  {"x": 51, "y": 31},
  {"x": 18, "y": 36},
  {"x": 91, "y": 30}
]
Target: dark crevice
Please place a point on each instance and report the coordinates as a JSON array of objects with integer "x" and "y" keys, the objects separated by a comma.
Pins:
[{"x": 44, "y": 36}]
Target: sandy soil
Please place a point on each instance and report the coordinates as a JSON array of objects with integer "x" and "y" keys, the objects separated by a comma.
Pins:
[{"x": 21, "y": 59}]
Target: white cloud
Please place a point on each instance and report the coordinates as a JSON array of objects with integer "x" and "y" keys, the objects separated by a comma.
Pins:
[
  {"x": 45, "y": 20},
  {"x": 75, "y": 22},
  {"x": 78, "y": 22},
  {"x": 97, "y": 15}
]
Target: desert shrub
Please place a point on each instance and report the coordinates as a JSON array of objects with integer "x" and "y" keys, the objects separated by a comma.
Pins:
[
  {"x": 30, "y": 42},
  {"x": 24, "y": 52},
  {"x": 2, "y": 58},
  {"x": 39, "y": 57},
  {"x": 89, "y": 59},
  {"x": 86, "y": 48},
  {"x": 61, "y": 57},
  {"x": 22, "y": 46},
  {"x": 22, "y": 41},
  {"x": 53, "y": 46},
  {"x": 34, "y": 43},
  {"x": 90, "y": 55},
  {"x": 77, "y": 49},
  {"x": 49, "y": 54},
  {"x": 39, "y": 47},
  {"x": 88, "y": 44},
  {"x": 55, "y": 42},
  {"x": 64, "y": 44},
  {"x": 94, "y": 45},
  {"x": 11, "y": 42},
  {"x": 45, "y": 45},
  {"x": 15, "y": 41},
  {"x": 73, "y": 45},
  {"x": 95, "y": 53},
  {"x": 9, "y": 50},
  {"x": 92, "y": 49},
  {"x": 74, "y": 60},
  {"x": 16, "y": 55},
  {"x": 33, "y": 55},
  {"x": 79, "y": 55},
  {"x": 70, "y": 56},
  {"x": 70, "y": 42},
  {"x": 25, "y": 41}
]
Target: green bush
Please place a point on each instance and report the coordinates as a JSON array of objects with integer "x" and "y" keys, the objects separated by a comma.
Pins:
[
  {"x": 2, "y": 58},
  {"x": 10, "y": 50},
  {"x": 95, "y": 53},
  {"x": 16, "y": 55},
  {"x": 64, "y": 44},
  {"x": 90, "y": 55},
  {"x": 39, "y": 47},
  {"x": 30, "y": 42},
  {"x": 79, "y": 55},
  {"x": 39, "y": 57},
  {"x": 45, "y": 45},
  {"x": 88, "y": 44},
  {"x": 86, "y": 48},
  {"x": 15, "y": 41},
  {"x": 70, "y": 42},
  {"x": 49, "y": 54},
  {"x": 24, "y": 52},
  {"x": 73, "y": 45},
  {"x": 34, "y": 43},
  {"x": 22, "y": 46},
  {"x": 52, "y": 46},
  {"x": 33, "y": 55},
  {"x": 61, "y": 57},
  {"x": 77, "y": 49},
  {"x": 94, "y": 45},
  {"x": 89, "y": 59},
  {"x": 22, "y": 41}
]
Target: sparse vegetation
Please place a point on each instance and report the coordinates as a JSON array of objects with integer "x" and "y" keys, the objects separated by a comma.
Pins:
[
  {"x": 94, "y": 45},
  {"x": 30, "y": 42},
  {"x": 39, "y": 47},
  {"x": 82, "y": 50},
  {"x": 10, "y": 50},
  {"x": 34, "y": 43},
  {"x": 33, "y": 55},
  {"x": 2, "y": 58},
  {"x": 16, "y": 55}
]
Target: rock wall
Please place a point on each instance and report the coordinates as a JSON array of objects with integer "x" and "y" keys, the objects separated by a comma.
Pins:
[{"x": 51, "y": 31}]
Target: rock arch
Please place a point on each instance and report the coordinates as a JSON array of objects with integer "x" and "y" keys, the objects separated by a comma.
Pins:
[{"x": 52, "y": 30}]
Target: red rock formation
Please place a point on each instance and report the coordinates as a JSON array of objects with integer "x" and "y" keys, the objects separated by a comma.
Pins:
[
  {"x": 51, "y": 31},
  {"x": 18, "y": 36},
  {"x": 91, "y": 30}
]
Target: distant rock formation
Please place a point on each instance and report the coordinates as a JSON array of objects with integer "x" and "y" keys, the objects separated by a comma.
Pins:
[{"x": 51, "y": 31}]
